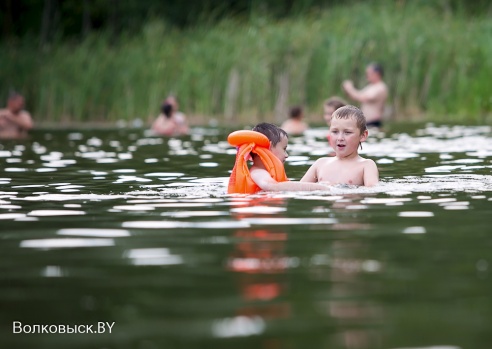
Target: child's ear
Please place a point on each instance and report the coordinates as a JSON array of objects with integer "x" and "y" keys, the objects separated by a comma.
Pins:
[{"x": 364, "y": 135}]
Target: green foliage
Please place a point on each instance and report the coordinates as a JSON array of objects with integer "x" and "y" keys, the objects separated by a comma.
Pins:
[{"x": 437, "y": 64}]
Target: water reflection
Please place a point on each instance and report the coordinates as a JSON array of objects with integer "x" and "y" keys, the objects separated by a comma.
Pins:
[
  {"x": 352, "y": 312},
  {"x": 259, "y": 259},
  {"x": 342, "y": 265},
  {"x": 152, "y": 256},
  {"x": 263, "y": 264}
]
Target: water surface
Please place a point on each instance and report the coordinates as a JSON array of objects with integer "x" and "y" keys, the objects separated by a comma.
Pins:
[{"x": 121, "y": 226}]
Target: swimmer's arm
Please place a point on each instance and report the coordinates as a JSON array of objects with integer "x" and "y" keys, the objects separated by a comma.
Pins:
[
  {"x": 311, "y": 174},
  {"x": 23, "y": 120},
  {"x": 182, "y": 127},
  {"x": 156, "y": 125},
  {"x": 263, "y": 179},
  {"x": 371, "y": 174},
  {"x": 4, "y": 112},
  {"x": 5, "y": 116},
  {"x": 365, "y": 95}
]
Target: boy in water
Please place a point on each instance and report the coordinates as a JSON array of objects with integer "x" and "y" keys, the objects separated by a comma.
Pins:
[
  {"x": 278, "y": 146},
  {"x": 295, "y": 125},
  {"x": 15, "y": 122},
  {"x": 170, "y": 121},
  {"x": 347, "y": 131}
]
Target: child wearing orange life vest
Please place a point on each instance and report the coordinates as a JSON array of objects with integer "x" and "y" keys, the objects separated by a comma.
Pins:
[{"x": 267, "y": 172}]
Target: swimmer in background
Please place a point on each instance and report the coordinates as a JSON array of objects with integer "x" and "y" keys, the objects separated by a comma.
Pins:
[
  {"x": 258, "y": 173},
  {"x": 15, "y": 122},
  {"x": 329, "y": 107},
  {"x": 295, "y": 125},
  {"x": 170, "y": 121},
  {"x": 347, "y": 131},
  {"x": 372, "y": 97}
]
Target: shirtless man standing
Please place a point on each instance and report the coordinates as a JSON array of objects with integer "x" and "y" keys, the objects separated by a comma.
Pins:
[
  {"x": 14, "y": 121},
  {"x": 372, "y": 97}
]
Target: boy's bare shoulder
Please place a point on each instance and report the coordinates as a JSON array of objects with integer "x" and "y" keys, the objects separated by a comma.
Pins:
[
  {"x": 368, "y": 164},
  {"x": 367, "y": 161}
]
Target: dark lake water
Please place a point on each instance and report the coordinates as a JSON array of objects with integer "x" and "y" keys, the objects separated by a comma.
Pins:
[{"x": 121, "y": 227}]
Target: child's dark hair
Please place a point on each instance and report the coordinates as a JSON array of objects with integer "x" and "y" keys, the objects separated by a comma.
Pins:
[
  {"x": 167, "y": 110},
  {"x": 273, "y": 132},
  {"x": 295, "y": 112}
]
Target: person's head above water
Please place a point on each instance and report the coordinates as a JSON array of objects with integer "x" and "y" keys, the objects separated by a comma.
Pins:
[
  {"x": 15, "y": 102},
  {"x": 167, "y": 109},
  {"x": 172, "y": 100},
  {"x": 351, "y": 112},
  {"x": 296, "y": 113},
  {"x": 330, "y": 105},
  {"x": 278, "y": 139},
  {"x": 335, "y": 102},
  {"x": 374, "y": 72}
]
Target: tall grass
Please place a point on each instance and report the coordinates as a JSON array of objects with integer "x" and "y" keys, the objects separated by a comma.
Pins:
[{"x": 437, "y": 65}]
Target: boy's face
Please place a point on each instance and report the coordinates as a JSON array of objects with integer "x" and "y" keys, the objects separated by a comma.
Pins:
[
  {"x": 345, "y": 136},
  {"x": 280, "y": 149}
]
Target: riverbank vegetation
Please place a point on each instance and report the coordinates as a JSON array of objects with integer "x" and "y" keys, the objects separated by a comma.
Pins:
[{"x": 241, "y": 69}]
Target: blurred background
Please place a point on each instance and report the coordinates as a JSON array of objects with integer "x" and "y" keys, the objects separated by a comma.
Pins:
[{"x": 238, "y": 61}]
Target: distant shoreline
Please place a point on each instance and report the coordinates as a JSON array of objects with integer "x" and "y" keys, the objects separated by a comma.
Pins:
[{"x": 437, "y": 66}]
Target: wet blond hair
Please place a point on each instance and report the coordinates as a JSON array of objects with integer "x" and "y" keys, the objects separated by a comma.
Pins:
[{"x": 350, "y": 111}]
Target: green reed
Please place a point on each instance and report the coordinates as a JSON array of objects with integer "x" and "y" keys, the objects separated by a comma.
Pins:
[{"x": 437, "y": 65}]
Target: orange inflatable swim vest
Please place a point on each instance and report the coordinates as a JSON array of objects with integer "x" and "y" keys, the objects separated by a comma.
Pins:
[{"x": 248, "y": 142}]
